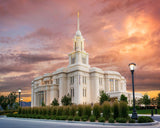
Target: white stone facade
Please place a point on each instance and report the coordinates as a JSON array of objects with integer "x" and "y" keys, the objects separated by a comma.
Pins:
[{"x": 82, "y": 82}]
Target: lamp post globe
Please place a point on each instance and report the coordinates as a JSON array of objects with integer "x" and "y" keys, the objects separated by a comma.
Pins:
[
  {"x": 19, "y": 91},
  {"x": 132, "y": 67}
]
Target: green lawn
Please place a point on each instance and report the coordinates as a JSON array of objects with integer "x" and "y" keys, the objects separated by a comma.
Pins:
[{"x": 146, "y": 111}]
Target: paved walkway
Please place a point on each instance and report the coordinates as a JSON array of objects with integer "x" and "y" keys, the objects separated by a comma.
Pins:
[{"x": 33, "y": 123}]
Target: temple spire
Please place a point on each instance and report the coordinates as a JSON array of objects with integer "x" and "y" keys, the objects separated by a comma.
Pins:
[{"x": 77, "y": 20}]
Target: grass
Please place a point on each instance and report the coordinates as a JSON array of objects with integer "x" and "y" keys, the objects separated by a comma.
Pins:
[{"x": 146, "y": 111}]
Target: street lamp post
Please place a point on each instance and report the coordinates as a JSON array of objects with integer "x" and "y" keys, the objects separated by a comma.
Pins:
[
  {"x": 19, "y": 91},
  {"x": 132, "y": 68},
  {"x": 21, "y": 101}
]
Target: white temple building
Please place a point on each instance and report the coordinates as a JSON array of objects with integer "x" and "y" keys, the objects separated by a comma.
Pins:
[{"x": 83, "y": 82}]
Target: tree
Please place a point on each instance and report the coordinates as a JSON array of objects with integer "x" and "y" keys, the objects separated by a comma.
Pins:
[
  {"x": 55, "y": 102},
  {"x": 158, "y": 100},
  {"x": 104, "y": 97},
  {"x": 139, "y": 101},
  {"x": 4, "y": 102},
  {"x": 123, "y": 98},
  {"x": 146, "y": 99},
  {"x": 66, "y": 100},
  {"x": 12, "y": 99}
]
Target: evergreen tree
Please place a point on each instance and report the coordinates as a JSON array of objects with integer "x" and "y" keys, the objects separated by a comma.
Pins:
[
  {"x": 158, "y": 100},
  {"x": 66, "y": 100},
  {"x": 55, "y": 102},
  {"x": 123, "y": 98},
  {"x": 12, "y": 99},
  {"x": 146, "y": 100},
  {"x": 104, "y": 97}
]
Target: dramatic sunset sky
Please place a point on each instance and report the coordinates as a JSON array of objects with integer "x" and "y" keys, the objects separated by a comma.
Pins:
[{"x": 36, "y": 37}]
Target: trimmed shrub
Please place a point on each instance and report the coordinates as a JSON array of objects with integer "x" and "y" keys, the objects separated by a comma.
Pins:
[
  {"x": 44, "y": 110},
  {"x": 49, "y": 111},
  {"x": 84, "y": 118},
  {"x": 57, "y": 118},
  {"x": 123, "y": 109},
  {"x": 72, "y": 110},
  {"x": 66, "y": 110},
  {"x": 39, "y": 110},
  {"x": 144, "y": 119},
  {"x": 101, "y": 119},
  {"x": 77, "y": 118},
  {"x": 111, "y": 120},
  {"x": 87, "y": 110},
  {"x": 53, "y": 117},
  {"x": 106, "y": 109},
  {"x": 59, "y": 111},
  {"x": 70, "y": 118},
  {"x": 80, "y": 110},
  {"x": 92, "y": 118},
  {"x": 63, "y": 118},
  {"x": 121, "y": 120},
  {"x": 132, "y": 121},
  {"x": 115, "y": 110},
  {"x": 54, "y": 110},
  {"x": 96, "y": 110},
  {"x": 19, "y": 110}
]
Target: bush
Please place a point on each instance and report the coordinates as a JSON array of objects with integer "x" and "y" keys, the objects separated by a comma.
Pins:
[
  {"x": 106, "y": 108},
  {"x": 53, "y": 117},
  {"x": 123, "y": 109},
  {"x": 96, "y": 110},
  {"x": 63, "y": 117},
  {"x": 121, "y": 120},
  {"x": 70, "y": 118},
  {"x": 59, "y": 111},
  {"x": 76, "y": 118},
  {"x": 57, "y": 118},
  {"x": 92, "y": 118},
  {"x": 72, "y": 110},
  {"x": 115, "y": 110},
  {"x": 66, "y": 110},
  {"x": 101, "y": 119},
  {"x": 54, "y": 110},
  {"x": 80, "y": 110},
  {"x": 84, "y": 118},
  {"x": 144, "y": 119},
  {"x": 49, "y": 111},
  {"x": 111, "y": 120},
  {"x": 87, "y": 110},
  {"x": 132, "y": 121}
]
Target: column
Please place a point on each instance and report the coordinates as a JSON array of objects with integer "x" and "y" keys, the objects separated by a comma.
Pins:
[
  {"x": 113, "y": 85},
  {"x": 32, "y": 96}
]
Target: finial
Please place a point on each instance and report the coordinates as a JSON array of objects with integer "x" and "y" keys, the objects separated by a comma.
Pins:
[
  {"x": 78, "y": 20},
  {"x": 78, "y": 14}
]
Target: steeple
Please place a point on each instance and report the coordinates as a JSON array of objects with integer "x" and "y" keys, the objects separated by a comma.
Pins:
[
  {"x": 78, "y": 56},
  {"x": 78, "y": 33},
  {"x": 77, "y": 21}
]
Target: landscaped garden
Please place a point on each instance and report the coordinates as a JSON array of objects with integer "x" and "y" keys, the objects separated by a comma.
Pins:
[
  {"x": 108, "y": 110},
  {"x": 116, "y": 112}
]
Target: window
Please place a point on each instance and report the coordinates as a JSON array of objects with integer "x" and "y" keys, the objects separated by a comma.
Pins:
[
  {"x": 116, "y": 85},
  {"x": 100, "y": 81},
  {"x": 46, "y": 82},
  {"x": 72, "y": 92},
  {"x": 57, "y": 81},
  {"x": 73, "y": 57},
  {"x": 111, "y": 85},
  {"x": 84, "y": 92},
  {"x": 72, "y": 80},
  {"x": 84, "y": 79},
  {"x": 84, "y": 59}
]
